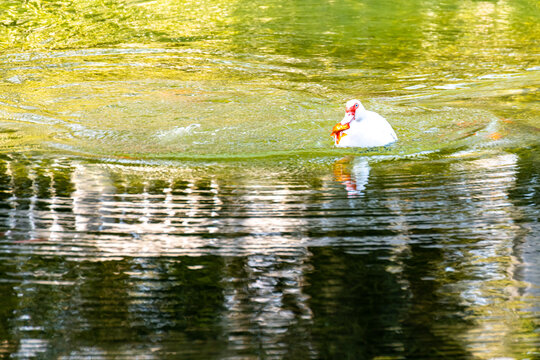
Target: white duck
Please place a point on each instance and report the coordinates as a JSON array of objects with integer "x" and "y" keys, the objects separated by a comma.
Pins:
[{"x": 362, "y": 128}]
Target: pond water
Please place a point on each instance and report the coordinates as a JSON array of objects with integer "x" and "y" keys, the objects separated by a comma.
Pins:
[{"x": 170, "y": 189}]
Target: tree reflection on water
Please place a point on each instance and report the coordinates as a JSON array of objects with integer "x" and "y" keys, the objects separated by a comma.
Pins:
[{"x": 213, "y": 262}]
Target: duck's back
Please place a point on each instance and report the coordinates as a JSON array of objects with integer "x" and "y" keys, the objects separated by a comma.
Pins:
[{"x": 368, "y": 131}]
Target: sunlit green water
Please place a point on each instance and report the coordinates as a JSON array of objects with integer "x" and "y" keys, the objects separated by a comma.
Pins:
[
  {"x": 249, "y": 79},
  {"x": 170, "y": 189}
]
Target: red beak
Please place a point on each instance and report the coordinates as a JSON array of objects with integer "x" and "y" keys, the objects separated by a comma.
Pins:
[{"x": 351, "y": 110}]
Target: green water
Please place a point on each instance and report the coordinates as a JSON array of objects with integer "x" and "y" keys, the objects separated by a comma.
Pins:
[
  {"x": 169, "y": 187},
  {"x": 192, "y": 80}
]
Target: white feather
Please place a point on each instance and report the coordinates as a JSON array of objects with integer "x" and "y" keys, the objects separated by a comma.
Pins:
[{"x": 367, "y": 128}]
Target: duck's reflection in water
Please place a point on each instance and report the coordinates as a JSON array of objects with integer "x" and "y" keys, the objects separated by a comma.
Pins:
[{"x": 353, "y": 173}]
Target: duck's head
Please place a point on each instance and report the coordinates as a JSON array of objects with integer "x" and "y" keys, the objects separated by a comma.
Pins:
[{"x": 351, "y": 109}]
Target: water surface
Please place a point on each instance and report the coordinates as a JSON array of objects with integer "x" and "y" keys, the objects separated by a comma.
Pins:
[{"x": 170, "y": 190}]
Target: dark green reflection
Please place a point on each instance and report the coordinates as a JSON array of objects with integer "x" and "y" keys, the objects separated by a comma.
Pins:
[
  {"x": 357, "y": 305},
  {"x": 117, "y": 306}
]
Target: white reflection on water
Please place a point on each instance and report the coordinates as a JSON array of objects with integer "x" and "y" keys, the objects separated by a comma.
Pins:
[
  {"x": 256, "y": 307},
  {"x": 353, "y": 174},
  {"x": 30, "y": 348},
  {"x": 493, "y": 260},
  {"x": 179, "y": 222}
]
